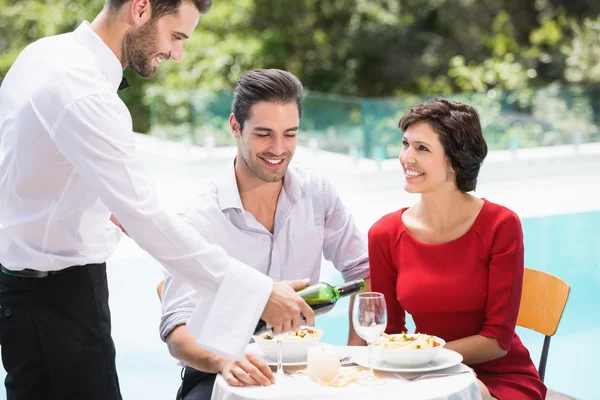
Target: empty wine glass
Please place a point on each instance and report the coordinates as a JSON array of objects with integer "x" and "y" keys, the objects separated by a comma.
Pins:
[
  {"x": 280, "y": 374},
  {"x": 369, "y": 318}
]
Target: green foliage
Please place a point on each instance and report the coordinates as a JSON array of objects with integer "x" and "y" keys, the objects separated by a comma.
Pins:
[
  {"x": 22, "y": 22},
  {"x": 505, "y": 50},
  {"x": 583, "y": 53}
]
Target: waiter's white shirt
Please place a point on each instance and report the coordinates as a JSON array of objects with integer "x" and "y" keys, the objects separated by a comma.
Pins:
[
  {"x": 67, "y": 161},
  {"x": 311, "y": 222}
]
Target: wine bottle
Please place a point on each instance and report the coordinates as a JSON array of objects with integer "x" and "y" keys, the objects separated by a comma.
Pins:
[{"x": 321, "y": 297}]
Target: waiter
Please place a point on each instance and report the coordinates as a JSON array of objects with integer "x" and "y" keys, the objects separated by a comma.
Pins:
[{"x": 67, "y": 161}]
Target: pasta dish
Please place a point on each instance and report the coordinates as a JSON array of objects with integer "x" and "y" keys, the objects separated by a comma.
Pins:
[
  {"x": 302, "y": 333},
  {"x": 404, "y": 341}
]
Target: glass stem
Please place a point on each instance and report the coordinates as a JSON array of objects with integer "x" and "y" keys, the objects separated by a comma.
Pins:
[
  {"x": 370, "y": 345},
  {"x": 279, "y": 359}
]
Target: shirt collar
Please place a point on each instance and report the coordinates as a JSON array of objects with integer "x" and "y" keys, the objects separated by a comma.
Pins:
[
  {"x": 228, "y": 194},
  {"x": 293, "y": 183},
  {"x": 108, "y": 60}
]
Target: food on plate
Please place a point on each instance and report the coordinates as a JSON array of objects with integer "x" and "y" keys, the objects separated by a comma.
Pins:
[
  {"x": 302, "y": 333},
  {"x": 405, "y": 341}
]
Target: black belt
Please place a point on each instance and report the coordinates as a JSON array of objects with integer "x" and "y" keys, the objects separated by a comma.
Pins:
[{"x": 32, "y": 273}]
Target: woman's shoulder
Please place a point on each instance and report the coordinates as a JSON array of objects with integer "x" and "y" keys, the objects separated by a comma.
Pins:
[
  {"x": 496, "y": 212},
  {"x": 389, "y": 224},
  {"x": 496, "y": 218}
]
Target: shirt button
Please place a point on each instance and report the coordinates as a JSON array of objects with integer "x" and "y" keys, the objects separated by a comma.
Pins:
[{"x": 7, "y": 312}]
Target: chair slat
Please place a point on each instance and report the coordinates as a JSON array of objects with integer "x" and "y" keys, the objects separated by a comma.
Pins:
[{"x": 543, "y": 301}]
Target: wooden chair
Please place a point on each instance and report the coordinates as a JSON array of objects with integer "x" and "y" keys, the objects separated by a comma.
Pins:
[
  {"x": 159, "y": 289},
  {"x": 542, "y": 304}
]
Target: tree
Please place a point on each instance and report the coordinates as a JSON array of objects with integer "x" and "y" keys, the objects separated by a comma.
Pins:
[{"x": 367, "y": 48}]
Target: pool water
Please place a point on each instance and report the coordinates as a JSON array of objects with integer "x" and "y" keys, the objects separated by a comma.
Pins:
[{"x": 567, "y": 246}]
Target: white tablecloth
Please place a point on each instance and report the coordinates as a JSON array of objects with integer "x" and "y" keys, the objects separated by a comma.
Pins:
[{"x": 457, "y": 387}]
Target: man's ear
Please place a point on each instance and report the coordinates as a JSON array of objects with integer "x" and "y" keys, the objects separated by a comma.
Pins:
[
  {"x": 235, "y": 127},
  {"x": 140, "y": 12}
]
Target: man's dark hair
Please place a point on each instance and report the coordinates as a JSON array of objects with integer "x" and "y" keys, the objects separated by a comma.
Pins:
[
  {"x": 265, "y": 85},
  {"x": 161, "y": 8},
  {"x": 460, "y": 133}
]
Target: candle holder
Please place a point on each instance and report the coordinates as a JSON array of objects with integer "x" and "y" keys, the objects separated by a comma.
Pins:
[{"x": 323, "y": 363}]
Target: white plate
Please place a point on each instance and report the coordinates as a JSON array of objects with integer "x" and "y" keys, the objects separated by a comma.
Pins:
[
  {"x": 253, "y": 347},
  {"x": 445, "y": 359}
]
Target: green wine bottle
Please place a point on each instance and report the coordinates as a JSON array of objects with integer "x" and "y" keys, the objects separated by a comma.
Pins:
[{"x": 321, "y": 297}]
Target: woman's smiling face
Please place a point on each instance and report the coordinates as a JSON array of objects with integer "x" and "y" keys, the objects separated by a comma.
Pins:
[{"x": 424, "y": 162}]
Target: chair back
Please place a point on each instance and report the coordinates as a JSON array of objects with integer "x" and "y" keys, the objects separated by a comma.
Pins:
[{"x": 543, "y": 301}]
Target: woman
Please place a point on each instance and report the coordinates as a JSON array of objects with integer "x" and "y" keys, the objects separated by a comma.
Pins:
[{"x": 452, "y": 260}]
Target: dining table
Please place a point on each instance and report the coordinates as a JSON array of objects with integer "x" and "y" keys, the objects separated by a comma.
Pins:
[{"x": 457, "y": 382}]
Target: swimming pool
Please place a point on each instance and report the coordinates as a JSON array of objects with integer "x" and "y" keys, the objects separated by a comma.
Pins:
[{"x": 567, "y": 246}]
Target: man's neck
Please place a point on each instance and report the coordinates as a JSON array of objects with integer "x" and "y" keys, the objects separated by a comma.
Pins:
[
  {"x": 253, "y": 190},
  {"x": 112, "y": 31}
]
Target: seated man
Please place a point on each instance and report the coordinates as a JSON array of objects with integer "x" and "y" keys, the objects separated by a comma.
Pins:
[{"x": 276, "y": 218}]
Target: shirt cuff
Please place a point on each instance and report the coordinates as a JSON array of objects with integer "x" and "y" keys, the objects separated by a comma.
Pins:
[
  {"x": 171, "y": 321},
  {"x": 359, "y": 272},
  {"x": 224, "y": 323},
  {"x": 501, "y": 333}
]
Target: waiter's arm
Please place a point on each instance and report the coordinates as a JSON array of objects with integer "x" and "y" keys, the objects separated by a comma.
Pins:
[{"x": 95, "y": 134}]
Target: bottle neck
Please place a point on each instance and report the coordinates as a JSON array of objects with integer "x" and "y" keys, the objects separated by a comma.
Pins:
[{"x": 349, "y": 288}]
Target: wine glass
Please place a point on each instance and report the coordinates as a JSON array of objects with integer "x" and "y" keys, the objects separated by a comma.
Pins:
[
  {"x": 280, "y": 374},
  {"x": 369, "y": 318}
]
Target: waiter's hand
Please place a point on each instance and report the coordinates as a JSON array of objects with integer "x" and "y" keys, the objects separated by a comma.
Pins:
[
  {"x": 285, "y": 308},
  {"x": 117, "y": 223}
]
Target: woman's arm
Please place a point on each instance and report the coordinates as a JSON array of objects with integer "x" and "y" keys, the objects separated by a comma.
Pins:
[
  {"x": 505, "y": 280},
  {"x": 477, "y": 349},
  {"x": 384, "y": 275}
]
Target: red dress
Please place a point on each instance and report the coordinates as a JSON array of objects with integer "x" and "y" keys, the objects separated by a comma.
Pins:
[{"x": 469, "y": 286}]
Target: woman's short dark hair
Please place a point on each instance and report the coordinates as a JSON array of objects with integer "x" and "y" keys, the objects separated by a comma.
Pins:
[
  {"x": 161, "y": 8},
  {"x": 265, "y": 85},
  {"x": 460, "y": 133}
]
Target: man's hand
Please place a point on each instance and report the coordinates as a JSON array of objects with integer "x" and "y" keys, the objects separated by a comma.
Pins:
[
  {"x": 251, "y": 370},
  {"x": 285, "y": 308}
]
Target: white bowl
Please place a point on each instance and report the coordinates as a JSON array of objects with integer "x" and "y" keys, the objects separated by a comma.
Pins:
[
  {"x": 408, "y": 356},
  {"x": 292, "y": 350}
]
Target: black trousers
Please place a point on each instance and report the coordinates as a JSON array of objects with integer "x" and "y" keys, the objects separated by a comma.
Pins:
[
  {"x": 55, "y": 336},
  {"x": 196, "y": 385}
]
